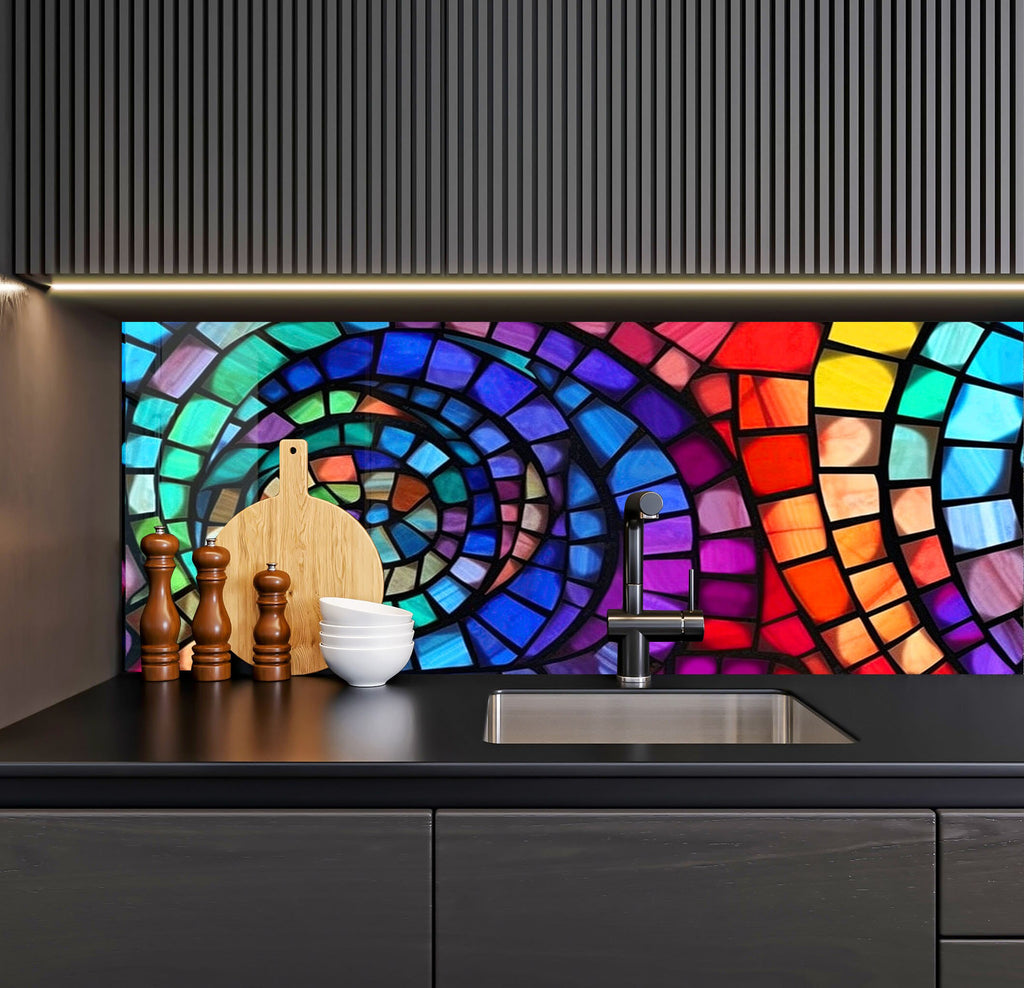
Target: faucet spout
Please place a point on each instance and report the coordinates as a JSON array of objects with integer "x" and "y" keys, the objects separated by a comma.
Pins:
[{"x": 638, "y": 507}]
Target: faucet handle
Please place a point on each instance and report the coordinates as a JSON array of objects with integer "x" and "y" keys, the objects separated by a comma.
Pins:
[{"x": 691, "y": 601}]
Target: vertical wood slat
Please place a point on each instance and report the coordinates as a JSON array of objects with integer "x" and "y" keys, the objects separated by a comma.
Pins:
[{"x": 548, "y": 136}]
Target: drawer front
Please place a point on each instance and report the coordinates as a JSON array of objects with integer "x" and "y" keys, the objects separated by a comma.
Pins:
[
  {"x": 981, "y": 963},
  {"x": 981, "y": 873}
]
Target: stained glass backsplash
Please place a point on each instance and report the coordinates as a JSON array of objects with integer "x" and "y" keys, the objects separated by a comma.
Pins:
[{"x": 849, "y": 493}]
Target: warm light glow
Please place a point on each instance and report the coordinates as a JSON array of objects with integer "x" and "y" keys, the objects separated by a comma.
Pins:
[
  {"x": 8, "y": 287},
  {"x": 555, "y": 286}
]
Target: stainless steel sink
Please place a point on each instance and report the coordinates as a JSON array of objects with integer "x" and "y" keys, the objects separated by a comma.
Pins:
[{"x": 655, "y": 717}]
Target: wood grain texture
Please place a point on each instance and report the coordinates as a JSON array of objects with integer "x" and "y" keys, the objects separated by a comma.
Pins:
[
  {"x": 981, "y": 963},
  {"x": 324, "y": 549},
  {"x": 981, "y": 869},
  {"x": 745, "y": 898},
  {"x": 165, "y": 899}
]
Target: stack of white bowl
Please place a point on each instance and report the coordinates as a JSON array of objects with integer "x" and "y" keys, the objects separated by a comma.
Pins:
[{"x": 362, "y": 642}]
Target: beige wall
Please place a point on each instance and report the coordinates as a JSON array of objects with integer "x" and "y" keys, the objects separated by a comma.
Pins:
[{"x": 60, "y": 501}]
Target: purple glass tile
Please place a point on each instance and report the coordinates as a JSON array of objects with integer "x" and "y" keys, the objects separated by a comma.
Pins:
[
  {"x": 417, "y": 325},
  {"x": 559, "y": 350},
  {"x": 698, "y": 459},
  {"x": 745, "y": 667},
  {"x": 696, "y": 665},
  {"x": 553, "y": 456},
  {"x": 446, "y": 547},
  {"x": 555, "y": 626},
  {"x": 728, "y": 598},
  {"x": 579, "y": 594},
  {"x": 983, "y": 661},
  {"x": 520, "y": 335},
  {"x": 661, "y": 650},
  {"x": 182, "y": 367},
  {"x": 271, "y": 429},
  {"x": 132, "y": 579},
  {"x": 556, "y": 493},
  {"x": 592, "y": 631},
  {"x": 963, "y": 636},
  {"x": 667, "y": 575},
  {"x": 727, "y": 556},
  {"x": 508, "y": 490},
  {"x": 559, "y": 527},
  {"x": 946, "y": 605},
  {"x": 501, "y": 388},
  {"x": 454, "y": 521},
  {"x": 721, "y": 508},
  {"x": 580, "y": 665},
  {"x": 507, "y": 465},
  {"x": 669, "y": 535},
  {"x": 538, "y": 420},
  {"x": 1009, "y": 637},
  {"x": 604, "y": 374},
  {"x": 661, "y": 416},
  {"x": 451, "y": 366}
]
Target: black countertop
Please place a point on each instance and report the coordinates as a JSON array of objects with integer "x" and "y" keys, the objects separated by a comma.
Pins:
[{"x": 938, "y": 742}]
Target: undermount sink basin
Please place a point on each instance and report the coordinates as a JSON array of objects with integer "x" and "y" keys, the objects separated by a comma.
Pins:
[{"x": 655, "y": 717}]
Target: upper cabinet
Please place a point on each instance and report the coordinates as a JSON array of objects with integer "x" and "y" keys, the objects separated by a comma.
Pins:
[{"x": 516, "y": 136}]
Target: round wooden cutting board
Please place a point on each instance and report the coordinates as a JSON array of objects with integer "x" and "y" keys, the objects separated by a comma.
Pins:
[{"x": 325, "y": 551}]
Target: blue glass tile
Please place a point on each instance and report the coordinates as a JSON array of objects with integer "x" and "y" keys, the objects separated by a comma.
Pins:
[
  {"x": 476, "y": 479},
  {"x": 481, "y": 543},
  {"x": 448, "y": 594},
  {"x": 604, "y": 374},
  {"x": 586, "y": 524},
  {"x": 538, "y": 420},
  {"x": 443, "y": 649},
  {"x": 946, "y": 605},
  {"x": 250, "y": 407},
  {"x": 1017, "y": 327},
  {"x": 515, "y": 621},
  {"x": 146, "y": 332},
  {"x": 408, "y": 541},
  {"x": 427, "y": 397},
  {"x": 551, "y": 553},
  {"x": 141, "y": 451},
  {"x": 951, "y": 343},
  {"x": 571, "y": 395},
  {"x": 643, "y": 463},
  {"x": 603, "y": 430},
  {"x": 229, "y": 433},
  {"x": 427, "y": 459},
  {"x": 396, "y": 440},
  {"x": 203, "y": 502},
  {"x": 459, "y": 413},
  {"x": 661, "y": 416},
  {"x": 547, "y": 376},
  {"x": 969, "y": 471},
  {"x": 484, "y": 511},
  {"x": 364, "y": 327},
  {"x": 1000, "y": 358},
  {"x": 424, "y": 519},
  {"x": 541, "y": 587},
  {"x": 451, "y": 366},
  {"x": 584, "y": 562},
  {"x": 553, "y": 630},
  {"x": 581, "y": 490},
  {"x": 135, "y": 362},
  {"x": 489, "y": 650},
  {"x": 506, "y": 465},
  {"x": 350, "y": 358},
  {"x": 981, "y": 524},
  {"x": 404, "y": 354},
  {"x": 393, "y": 388},
  {"x": 377, "y": 514},
  {"x": 552, "y": 456},
  {"x": 558, "y": 349},
  {"x": 373, "y": 459},
  {"x": 301, "y": 375},
  {"x": 488, "y": 437},
  {"x": 272, "y": 391},
  {"x": 384, "y": 546},
  {"x": 516, "y": 360},
  {"x": 500, "y": 388},
  {"x": 985, "y": 415}
]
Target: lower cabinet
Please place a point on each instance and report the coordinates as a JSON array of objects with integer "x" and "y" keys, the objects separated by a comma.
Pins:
[
  {"x": 981, "y": 963},
  {"x": 609, "y": 898},
  {"x": 215, "y": 898}
]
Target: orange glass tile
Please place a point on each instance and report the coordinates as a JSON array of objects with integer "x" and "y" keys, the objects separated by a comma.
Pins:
[
  {"x": 859, "y": 544},
  {"x": 820, "y": 589},
  {"x": 777, "y": 463},
  {"x": 846, "y": 441},
  {"x": 926, "y": 560},
  {"x": 876, "y": 667},
  {"x": 768, "y": 346},
  {"x": 724, "y": 428},
  {"x": 374, "y": 406},
  {"x": 912, "y": 510},
  {"x": 720, "y": 634},
  {"x": 849, "y": 495},
  {"x": 772, "y": 402},
  {"x": 817, "y": 665},
  {"x": 916, "y": 653},
  {"x": 877, "y": 586},
  {"x": 675, "y": 368},
  {"x": 895, "y": 621},
  {"x": 713, "y": 393},
  {"x": 409, "y": 491},
  {"x": 850, "y": 642},
  {"x": 775, "y": 599},
  {"x": 788, "y": 636},
  {"x": 334, "y": 469},
  {"x": 794, "y": 526}
]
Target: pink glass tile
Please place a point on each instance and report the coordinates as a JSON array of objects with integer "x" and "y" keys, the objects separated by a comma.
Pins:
[
  {"x": 721, "y": 508},
  {"x": 182, "y": 367},
  {"x": 994, "y": 582},
  {"x": 700, "y": 338}
]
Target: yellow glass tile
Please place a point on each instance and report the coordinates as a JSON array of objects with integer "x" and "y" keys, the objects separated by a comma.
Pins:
[
  {"x": 794, "y": 526},
  {"x": 849, "y": 495},
  {"x": 912, "y": 510},
  {"x": 916, "y": 653},
  {"x": 892, "y": 338},
  {"x": 844, "y": 441},
  {"x": 848, "y": 380}
]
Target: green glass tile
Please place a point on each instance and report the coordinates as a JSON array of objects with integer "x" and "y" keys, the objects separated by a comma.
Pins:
[
  {"x": 299, "y": 336},
  {"x": 342, "y": 402},
  {"x": 153, "y": 414},
  {"x": 951, "y": 343},
  {"x": 359, "y": 435},
  {"x": 234, "y": 467},
  {"x": 199, "y": 423},
  {"x": 226, "y": 333},
  {"x": 140, "y": 529},
  {"x": 141, "y": 493},
  {"x": 385, "y": 547},
  {"x": 402, "y": 579},
  {"x": 346, "y": 493},
  {"x": 321, "y": 493},
  {"x": 432, "y": 565},
  {"x": 450, "y": 487},
  {"x": 179, "y": 529},
  {"x": 926, "y": 394},
  {"x": 239, "y": 371},
  {"x": 422, "y": 613},
  {"x": 309, "y": 409},
  {"x": 250, "y": 407},
  {"x": 912, "y": 452},
  {"x": 180, "y": 464},
  {"x": 179, "y": 578},
  {"x": 173, "y": 500}
]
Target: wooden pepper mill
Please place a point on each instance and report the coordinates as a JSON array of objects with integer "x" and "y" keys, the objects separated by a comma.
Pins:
[
  {"x": 160, "y": 620},
  {"x": 211, "y": 626},
  {"x": 271, "y": 651}
]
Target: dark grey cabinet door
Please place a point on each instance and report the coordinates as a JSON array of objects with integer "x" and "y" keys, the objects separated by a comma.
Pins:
[
  {"x": 599, "y": 898},
  {"x": 215, "y": 898},
  {"x": 981, "y": 963}
]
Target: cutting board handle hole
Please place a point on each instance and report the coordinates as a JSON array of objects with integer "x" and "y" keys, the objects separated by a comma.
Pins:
[{"x": 293, "y": 450}]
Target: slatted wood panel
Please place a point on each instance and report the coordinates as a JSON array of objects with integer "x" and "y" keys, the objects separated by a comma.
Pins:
[{"x": 508, "y": 136}]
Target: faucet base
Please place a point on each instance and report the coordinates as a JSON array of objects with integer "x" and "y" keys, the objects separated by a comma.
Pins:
[{"x": 635, "y": 682}]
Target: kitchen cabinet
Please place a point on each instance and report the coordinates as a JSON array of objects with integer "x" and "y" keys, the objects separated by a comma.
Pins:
[
  {"x": 981, "y": 963},
  {"x": 596, "y": 898},
  {"x": 200, "y": 898}
]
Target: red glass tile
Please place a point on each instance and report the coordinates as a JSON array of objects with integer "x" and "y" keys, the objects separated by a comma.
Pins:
[
  {"x": 788, "y": 636},
  {"x": 926, "y": 560},
  {"x": 770, "y": 346},
  {"x": 713, "y": 393},
  {"x": 777, "y": 463},
  {"x": 639, "y": 343}
]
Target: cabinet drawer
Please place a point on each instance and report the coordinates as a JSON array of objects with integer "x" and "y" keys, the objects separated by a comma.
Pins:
[
  {"x": 981, "y": 873},
  {"x": 981, "y": 963}
]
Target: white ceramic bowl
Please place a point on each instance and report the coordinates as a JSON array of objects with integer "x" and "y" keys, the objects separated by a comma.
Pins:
[
  {"x": 365, "y": 630},
  {"x": 366, "y": 666},
  {"x": 370, "y": 641},
  {"x": 347, "y": 611}
]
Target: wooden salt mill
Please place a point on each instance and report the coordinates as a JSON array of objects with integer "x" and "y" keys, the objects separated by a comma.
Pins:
[
  {"x": 160, "y": 620},
  {"x": 211, "y": 626},
  {"x": 271, "y": 651}
]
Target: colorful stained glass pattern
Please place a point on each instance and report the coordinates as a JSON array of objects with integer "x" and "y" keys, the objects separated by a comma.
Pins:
[{"x": 849, "y": 493}]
